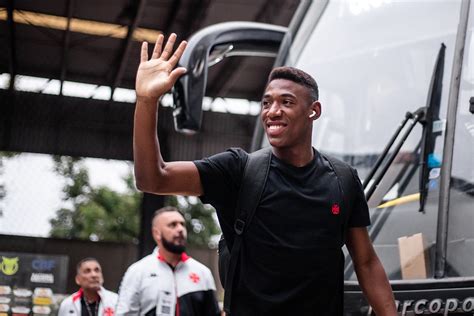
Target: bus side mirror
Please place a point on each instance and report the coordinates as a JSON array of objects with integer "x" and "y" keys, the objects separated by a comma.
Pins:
[{"x": 206, "y": 48}]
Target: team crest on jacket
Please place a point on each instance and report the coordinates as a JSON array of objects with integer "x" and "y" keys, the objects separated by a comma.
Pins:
[
  {"x": 335, "y": 209},
  {"x": 194, "y": 277},
  {"x": 109, "y": 311}
]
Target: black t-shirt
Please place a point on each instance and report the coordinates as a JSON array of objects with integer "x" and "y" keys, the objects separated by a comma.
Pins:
[{"x": 291, "y": 259}]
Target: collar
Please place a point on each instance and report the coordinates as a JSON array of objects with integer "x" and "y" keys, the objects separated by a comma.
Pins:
[
  {"x": 184, "y": 257},
  {"x": 76, "y": 296}
]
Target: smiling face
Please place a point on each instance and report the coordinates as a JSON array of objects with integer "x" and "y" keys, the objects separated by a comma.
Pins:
[{"x": 286, "y": 110}]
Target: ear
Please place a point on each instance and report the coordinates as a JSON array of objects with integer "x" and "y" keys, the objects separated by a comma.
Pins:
[
  {"x": 315, "y": 110},
  {"x": 156, "y": 233},
  {"x": 77, "y": 280}
]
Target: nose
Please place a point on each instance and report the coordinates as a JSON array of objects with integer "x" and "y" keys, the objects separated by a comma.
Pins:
[
  {"x": 181, "y": 228},
  {"x": 274, "y": 110}
]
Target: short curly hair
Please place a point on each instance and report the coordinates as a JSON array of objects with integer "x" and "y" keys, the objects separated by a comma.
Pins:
[{"x": 298, "y": 76}]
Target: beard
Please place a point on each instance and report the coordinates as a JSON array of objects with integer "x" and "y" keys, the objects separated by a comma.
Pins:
[{"x": 171, "y": 247}]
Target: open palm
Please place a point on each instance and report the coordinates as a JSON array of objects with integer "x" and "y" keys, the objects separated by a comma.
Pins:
[{"x": 156, "y": 76}]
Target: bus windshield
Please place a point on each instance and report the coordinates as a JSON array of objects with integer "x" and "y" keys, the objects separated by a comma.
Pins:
[{"x": 373, "y": 61}]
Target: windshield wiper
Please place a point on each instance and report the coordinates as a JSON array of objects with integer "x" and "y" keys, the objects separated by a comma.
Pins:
[
  {"x": 428, "y": 161},
  {"x": 426, "y": 116},
  {"x": 415, "y": 117}
]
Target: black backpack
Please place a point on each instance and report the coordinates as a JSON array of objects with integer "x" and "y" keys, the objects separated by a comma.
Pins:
[{"x": 251, "y": 189}]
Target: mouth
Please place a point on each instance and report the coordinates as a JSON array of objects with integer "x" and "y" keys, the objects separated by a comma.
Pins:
[
  {"x": 179, "y": 240},
  {"x": 276, "y": 128}
]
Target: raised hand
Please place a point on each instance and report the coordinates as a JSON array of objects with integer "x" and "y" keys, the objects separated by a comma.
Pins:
[{"x": 156, "y": 76}]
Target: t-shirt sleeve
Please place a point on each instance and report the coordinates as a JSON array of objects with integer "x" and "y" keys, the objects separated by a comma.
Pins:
[
  {"x": 221, "y": 175},
  {"x": 360, "y": 210}
]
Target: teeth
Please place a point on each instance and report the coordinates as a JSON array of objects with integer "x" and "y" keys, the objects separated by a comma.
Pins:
[{"x": 275, "y": 126}]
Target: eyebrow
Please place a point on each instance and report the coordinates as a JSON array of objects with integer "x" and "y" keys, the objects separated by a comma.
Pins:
[
  {"x": 284, "y": 95},
  {"x": 94, "y": 268},
  {"x": 177, "y": 222}
]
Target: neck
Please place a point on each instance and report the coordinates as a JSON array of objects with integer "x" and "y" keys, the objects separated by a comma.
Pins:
[
  {"x": 90, "y": 295},
  {"x": 297, "y": 157},
  {"x": 171, "y": 258}
]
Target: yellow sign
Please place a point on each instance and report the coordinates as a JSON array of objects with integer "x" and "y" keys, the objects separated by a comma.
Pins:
[
  {"x": 42, "y": 300},
  {"x": 9, "y": 266}
]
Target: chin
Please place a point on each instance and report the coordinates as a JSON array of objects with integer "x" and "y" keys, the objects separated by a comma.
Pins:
[
  {"x": 94, "y": 288},
  {"x": 276, "y": 143}
]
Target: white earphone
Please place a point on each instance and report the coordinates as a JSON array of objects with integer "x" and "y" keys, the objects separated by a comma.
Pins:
[{"x": 313, "y": 113}]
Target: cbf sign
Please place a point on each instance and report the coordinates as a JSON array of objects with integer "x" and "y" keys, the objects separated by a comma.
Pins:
[
  {"x": 46, "y": 265},
  {"x": 32, "y": 270}
]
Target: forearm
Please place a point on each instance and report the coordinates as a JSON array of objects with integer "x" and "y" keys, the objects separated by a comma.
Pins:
[
  {"x": 155, "y": 77},
  {"x": 146, "y": 146},
  {"x": 377, "y": 289}
]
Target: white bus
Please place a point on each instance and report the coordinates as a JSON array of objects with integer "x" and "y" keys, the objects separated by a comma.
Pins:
[{"x": 389, "y": 71}]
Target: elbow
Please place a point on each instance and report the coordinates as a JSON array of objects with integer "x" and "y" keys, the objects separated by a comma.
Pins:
[
  {"x": 366, "y": 263},
  {"x": 369, "y": 269},
  {"x": 151, "y": 179},
  {"x": 145, "y": 185},
  {"x": 146, "y": 182},
  {"x": 139, "y": 183}
]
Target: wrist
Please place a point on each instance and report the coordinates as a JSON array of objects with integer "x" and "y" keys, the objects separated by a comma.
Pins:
[{"x": 151, "y": 101}]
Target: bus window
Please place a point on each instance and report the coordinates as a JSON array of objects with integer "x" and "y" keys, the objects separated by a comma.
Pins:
[
  {"x": 460, "y": 256},
  {"x": 373, "y": 61}
]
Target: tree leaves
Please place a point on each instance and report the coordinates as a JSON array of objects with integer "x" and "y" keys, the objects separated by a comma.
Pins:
[
  {"x": 200, "y": 220},
  {"x": 96, "y": 213},
  {"x": 102, "y": 214}
]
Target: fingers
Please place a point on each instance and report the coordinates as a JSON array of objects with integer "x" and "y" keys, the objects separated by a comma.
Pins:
[
  {"x": 178, "y": 53},
  {"x": 158, "y": 46},
  {"x": 176, "y": 73},
  {"x": 167, "y": 51},
  {"x": 169, "y": 47},
  {"x": 144, "y": 52}
]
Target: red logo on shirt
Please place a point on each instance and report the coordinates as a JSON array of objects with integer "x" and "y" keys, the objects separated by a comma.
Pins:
[
  {"x": 335, "y": 209},
  {"x": 194, "y": 277},
  {"x": 109, "y": 311}
]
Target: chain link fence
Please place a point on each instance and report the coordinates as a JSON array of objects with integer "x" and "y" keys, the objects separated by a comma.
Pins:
[{"x": 33, "y": 191}]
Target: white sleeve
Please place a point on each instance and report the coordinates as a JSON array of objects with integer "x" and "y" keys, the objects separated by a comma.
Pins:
[
  {"x": 63, "y": 310},
  {"x": 129, "y": 297},
  {"x": 211, "y": 285}
]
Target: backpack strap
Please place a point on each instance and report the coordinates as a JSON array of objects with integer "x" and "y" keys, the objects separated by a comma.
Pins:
[
  {"x": 251, "y": 189},
  {"x": 345, "y": 179}
]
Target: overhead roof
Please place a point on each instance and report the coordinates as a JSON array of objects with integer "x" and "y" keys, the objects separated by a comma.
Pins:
[{"x": 98, "y": 42}]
